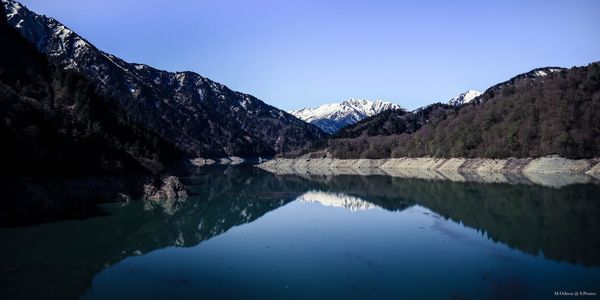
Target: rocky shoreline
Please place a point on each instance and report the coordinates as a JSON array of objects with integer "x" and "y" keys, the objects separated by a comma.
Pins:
[
  {"x": 550, "y": 171},
  {"x": 229, "y": 160},
  {"x": 31, "y": 200}
]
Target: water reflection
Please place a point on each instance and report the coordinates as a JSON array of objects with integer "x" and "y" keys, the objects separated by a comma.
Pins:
[
  {"x": 59, "y": 260},
  {"x": 560, "y": 223},
  {"x": 336, "y": 200},
  {"x": 553, "y": 180}
]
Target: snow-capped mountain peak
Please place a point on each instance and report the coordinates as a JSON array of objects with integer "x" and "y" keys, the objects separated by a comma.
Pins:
[
  {"x": 331, "y": 117},
  {"x": 465, "y": 97}
]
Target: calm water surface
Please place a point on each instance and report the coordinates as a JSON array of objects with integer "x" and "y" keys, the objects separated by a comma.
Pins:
[{"x": 249, "y": 234}]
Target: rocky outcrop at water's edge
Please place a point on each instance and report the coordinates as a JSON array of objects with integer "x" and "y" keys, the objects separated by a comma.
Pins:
[
  {"x": 30, "y": 200},
  {"x": 168, "y": 187}
]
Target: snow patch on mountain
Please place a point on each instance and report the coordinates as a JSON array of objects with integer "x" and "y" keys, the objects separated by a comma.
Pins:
[
  {"x": 465, "y": 97},
  {"x": 332, "y": 117},
  {"x": 544, "y": 72}
]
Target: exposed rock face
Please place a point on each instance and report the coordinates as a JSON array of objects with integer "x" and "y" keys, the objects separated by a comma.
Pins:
[
  {"x": 167, "y": 188},
  {"x": 549, "y": 164},
  {"x": 594, "y": 171},
  {"x": 550, "y": 171},
  {"x": 231, "y": 160},
  {"x": 200, "y": 116}
]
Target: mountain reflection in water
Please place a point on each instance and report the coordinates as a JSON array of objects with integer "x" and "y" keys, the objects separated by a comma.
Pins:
[
  {"x": 336, "y": 200},
  {"x": 59, "y": 260}
]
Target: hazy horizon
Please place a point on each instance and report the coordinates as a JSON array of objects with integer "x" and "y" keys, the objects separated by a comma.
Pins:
[{"x": 307, "y": 53}]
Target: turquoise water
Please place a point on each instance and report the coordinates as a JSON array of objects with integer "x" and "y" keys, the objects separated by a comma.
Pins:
[{"x": 249, "y": 234}]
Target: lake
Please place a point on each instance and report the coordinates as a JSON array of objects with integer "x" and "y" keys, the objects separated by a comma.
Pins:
[{"x": 250, "y": 234}]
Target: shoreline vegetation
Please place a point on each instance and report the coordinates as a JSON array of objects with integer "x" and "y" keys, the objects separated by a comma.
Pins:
[{"x": 552, "y": 171}]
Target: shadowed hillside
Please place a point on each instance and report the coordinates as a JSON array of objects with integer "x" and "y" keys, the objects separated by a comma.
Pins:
[
  {"x": 199, "y": 116},
  {"x": 63, "y": 147}
]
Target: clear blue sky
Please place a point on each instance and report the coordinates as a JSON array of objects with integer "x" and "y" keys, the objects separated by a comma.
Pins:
[{"x": 298, "y": 53}]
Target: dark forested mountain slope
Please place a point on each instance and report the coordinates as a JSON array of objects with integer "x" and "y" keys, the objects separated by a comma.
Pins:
[
  {"x": 52, "y": 121},
  {"x": 201, "y": 117},
  {"x": 64, "y": 147},
  {"x": 397, "y": 121},
  {"x": 542, "y": 112}
]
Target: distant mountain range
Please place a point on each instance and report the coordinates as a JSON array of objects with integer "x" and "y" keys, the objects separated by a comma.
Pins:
[
  {"x": 546, "y": 111},
  {"x": 332, "y": 117},
  {"x": 199, "y": 116},
  {"x": 335, "y": 116}
]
